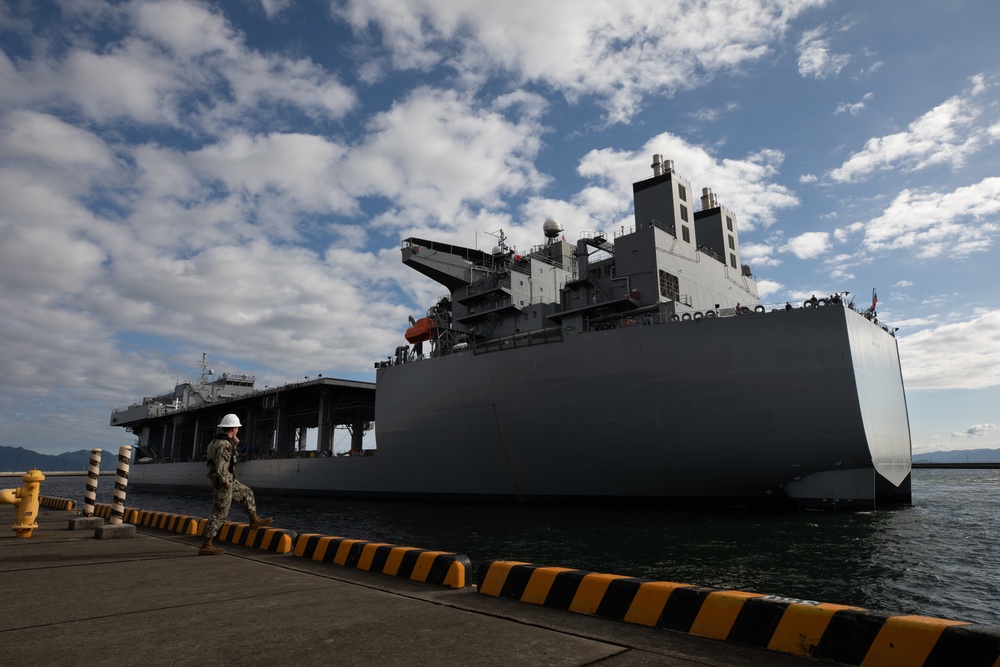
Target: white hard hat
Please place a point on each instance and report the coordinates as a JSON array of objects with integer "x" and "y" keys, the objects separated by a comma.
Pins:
[{"x": 230, "y": 421}]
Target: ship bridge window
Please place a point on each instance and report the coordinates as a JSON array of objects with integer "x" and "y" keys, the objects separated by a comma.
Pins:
[
  {"x": 684, "y": 213},
  {"x": 732, "y": 260},
  {"x": 685, "y": 234},
  {"x": 682, "y": 192},
  {"x": 732, "y": 243},
  {"x": 729, "y": 223},
  {"x": 669, "y": 286}
]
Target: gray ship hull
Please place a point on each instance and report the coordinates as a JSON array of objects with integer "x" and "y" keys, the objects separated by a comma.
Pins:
[
  {"x": 804, "y": 405},
  {"x": 807, "y": 404}
]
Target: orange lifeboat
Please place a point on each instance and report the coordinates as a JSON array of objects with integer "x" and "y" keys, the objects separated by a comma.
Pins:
[{"x": 421, "y": 330}]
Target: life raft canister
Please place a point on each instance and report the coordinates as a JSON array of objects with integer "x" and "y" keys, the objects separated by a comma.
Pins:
[{"x": 421, "y": 330}]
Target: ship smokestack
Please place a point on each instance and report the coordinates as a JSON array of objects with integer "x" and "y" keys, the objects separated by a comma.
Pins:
[
  {"x": 657, "y": 165},
  {"x": 708, "y": 199},
  {"x": 661, "y": 166}
]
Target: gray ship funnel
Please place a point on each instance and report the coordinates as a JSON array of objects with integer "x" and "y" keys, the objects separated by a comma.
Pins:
[
  {"x": 661, "y": 166},
  {"x": 657, "y": 165},
  {"x": 708, "y": 199}
]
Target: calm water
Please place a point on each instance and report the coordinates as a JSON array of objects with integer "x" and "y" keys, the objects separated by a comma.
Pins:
[{"x": 940, "y": 557}]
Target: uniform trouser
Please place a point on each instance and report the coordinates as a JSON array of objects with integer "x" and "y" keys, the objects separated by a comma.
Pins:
[{"x": 222, "y": 499}]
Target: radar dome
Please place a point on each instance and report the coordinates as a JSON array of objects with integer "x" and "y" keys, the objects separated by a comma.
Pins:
[{"x": 552, "y": 228}]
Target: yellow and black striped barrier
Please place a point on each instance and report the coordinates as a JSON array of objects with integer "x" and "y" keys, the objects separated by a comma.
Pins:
[
  {"x": 175, "y": 523},
  {"x": 276, "y": 540},
  {"x": 56, "y": 503},
  {"x": 839, "y": 633},
  {"x": 432, "y": 567},
  {"x": 129, "y": 514}
]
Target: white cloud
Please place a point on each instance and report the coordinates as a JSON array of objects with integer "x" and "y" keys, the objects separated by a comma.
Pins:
[
  {"x": 167, "y": 67},
  {"x": 32, "y": 136},
  {"x": 808, "y": 245},
  {"x": 758, "y": 254},
  {"x": 979, "y": 84},
  {"x": 933, "y": 223},
  {"x": 438, "y": 156},
  {"x": 815, "y": 58},
  {"x": 619, "y": 53},
  {"x": 768, "y": 288},
  {"x": 963, "y": 355},
  {"x": 975, "y": 430},
  {"x": 943, "y": 135},
  {"x": 711, "y": 114},
  {"x": 854, "y": 108},
  {"x": 274, "y": 8},
  {"x": 303, "y": 168},
  {"x": 871, "y": 69}
]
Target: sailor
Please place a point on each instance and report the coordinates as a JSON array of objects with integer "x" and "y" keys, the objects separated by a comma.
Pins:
[{"x": 225, "y": 488}]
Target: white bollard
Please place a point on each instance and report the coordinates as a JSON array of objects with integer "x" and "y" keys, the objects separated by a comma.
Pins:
[
  {"x": 93, "y": 473},
  {"x": 121, "y": 484}
]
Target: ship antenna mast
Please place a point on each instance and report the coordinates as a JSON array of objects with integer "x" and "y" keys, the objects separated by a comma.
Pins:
[{"x": 205, "y": 370}]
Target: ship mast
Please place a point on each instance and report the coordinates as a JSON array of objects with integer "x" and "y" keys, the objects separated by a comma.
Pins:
[{"x": 205, "y": 370}]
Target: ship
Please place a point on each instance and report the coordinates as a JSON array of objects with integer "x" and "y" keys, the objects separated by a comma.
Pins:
[{"x": 632, "y": 367}]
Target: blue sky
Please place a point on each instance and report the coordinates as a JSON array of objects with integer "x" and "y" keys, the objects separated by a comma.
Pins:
[{"x": 236, "y": 177}]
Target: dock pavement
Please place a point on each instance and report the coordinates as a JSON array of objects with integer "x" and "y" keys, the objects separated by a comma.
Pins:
[{"x": 71, "y": 599}]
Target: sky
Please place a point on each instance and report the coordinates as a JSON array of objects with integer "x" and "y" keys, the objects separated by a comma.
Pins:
[{"x": 235, "y": 178}]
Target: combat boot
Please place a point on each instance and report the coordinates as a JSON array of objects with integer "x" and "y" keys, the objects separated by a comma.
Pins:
[
  {"x": 256, "y": 522},
  {"x": 209, "y": 549}
]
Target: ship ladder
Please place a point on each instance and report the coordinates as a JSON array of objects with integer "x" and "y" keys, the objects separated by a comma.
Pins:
[{"x": 491, "y": 325}]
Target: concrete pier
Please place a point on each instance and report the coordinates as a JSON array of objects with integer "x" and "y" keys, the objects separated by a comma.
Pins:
[{"x": 71, "y": 599}]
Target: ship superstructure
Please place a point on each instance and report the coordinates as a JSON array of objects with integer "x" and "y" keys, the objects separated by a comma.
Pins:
[{"x": 675, "y": 262}]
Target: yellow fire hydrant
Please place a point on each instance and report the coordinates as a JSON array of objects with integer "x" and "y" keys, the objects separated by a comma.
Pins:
[{"x": 25, "y": 502}]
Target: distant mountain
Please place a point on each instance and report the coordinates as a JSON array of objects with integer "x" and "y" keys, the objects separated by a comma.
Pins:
[
  {"x": 960, "y": 456},
  {"x": 17, "y": 459}
]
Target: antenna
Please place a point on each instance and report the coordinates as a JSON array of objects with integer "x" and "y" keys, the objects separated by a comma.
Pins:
[
  {"x": 165, "y": 371},
  {"x": 205, "y": 370}
]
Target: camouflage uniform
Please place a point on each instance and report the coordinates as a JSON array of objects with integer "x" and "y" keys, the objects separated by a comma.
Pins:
[{"x": 221, "y": 461}]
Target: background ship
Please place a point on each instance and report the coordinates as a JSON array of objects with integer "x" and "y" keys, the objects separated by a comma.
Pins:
[{"x": 635, "y": 367}]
